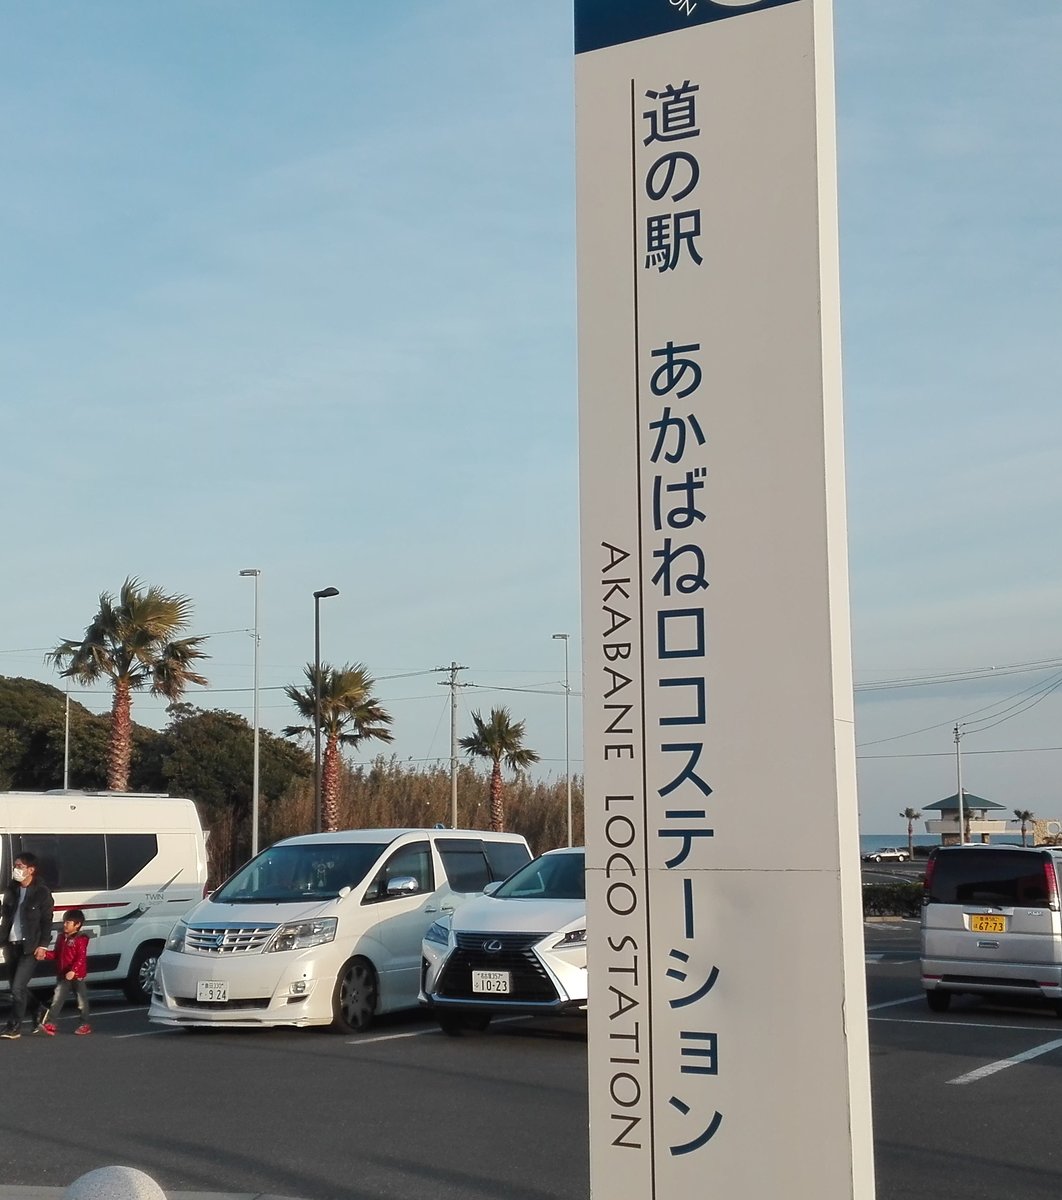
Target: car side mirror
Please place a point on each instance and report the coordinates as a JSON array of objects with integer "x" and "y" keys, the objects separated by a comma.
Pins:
[
  {"x": 402, "y": 885},
  {"x": 492, "y": 887}
]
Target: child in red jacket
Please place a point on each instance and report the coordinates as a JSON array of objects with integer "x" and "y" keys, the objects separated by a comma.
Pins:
[{"x": 71, "y": 966}]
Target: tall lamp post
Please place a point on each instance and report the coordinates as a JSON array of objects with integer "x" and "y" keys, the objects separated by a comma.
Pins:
[
  {"x": 323, "y": 594},
  {"x": 254, "y": 573},
  {"x": 563, "y": 637}
]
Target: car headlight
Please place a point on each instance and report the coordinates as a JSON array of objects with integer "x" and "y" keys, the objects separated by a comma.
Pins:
[
  {"x": 439, "y": 933},
  {"x": 175, "y": 941},
  {"x": 300, "y": 935},
  {"x": 575, "y": 937}
]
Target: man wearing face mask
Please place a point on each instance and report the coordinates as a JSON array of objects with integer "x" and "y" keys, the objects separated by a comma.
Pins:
[{"x": 25, "y": 929}]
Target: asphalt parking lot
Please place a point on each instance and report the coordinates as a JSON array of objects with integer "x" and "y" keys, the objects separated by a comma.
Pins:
[
  {"x": 402, "y": 1111},
  {"x": 964, "y": 1102}
]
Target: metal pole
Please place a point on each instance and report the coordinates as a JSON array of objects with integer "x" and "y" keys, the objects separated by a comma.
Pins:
[
  {"x": 567, "y": 739},
  {"x": 316, "y": 713},
  {"x": 317, "y": 598},
  {"x": 958, "y": 785},
  {"x": 453, "y": 685},
  {"x": 453, "y": 744},
  {"x": 66, "y": 742},
  {"x": 255, "y": 573}
]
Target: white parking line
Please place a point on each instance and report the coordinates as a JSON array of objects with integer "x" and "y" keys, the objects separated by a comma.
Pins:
[
  {"x": 893, "y": 1003},
  {"x": 146, "y": 1033},
  {"x": 390, "y": 1037},
  {"x": 965, "y": 1024},
  {"x": 1003, "y": 1063}
]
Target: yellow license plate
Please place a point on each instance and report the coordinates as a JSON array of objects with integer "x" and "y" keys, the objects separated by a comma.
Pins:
[{"x": 988, "y": 923}]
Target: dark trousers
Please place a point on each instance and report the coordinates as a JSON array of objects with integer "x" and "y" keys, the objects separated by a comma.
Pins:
[
  {"x": 62, "y": 990},
  {"x": 21, "y": 964}
]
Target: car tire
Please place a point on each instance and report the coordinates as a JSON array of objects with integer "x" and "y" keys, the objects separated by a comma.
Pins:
[
  {"x": 141, "y": 977},
  {"x": 877, "y": 858},
  {"x": 938, "y": 1001},
  {"x": 354, "y": 997}
]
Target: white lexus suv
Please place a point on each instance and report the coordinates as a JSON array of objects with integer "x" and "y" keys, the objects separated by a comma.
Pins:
[{"x": 519, "y": 949}]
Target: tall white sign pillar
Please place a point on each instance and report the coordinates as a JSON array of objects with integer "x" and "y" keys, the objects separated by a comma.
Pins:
[{"x": 728, "y": 1036}]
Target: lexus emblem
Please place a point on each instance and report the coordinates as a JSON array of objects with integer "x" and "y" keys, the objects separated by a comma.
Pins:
[{"x": 493, "y": 946}]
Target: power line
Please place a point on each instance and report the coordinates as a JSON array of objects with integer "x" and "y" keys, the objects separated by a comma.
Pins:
[
  {"x": 1022, "y": 707},
  {"x": 949, "y": 754},
  {"x": 972, "y": 674},
  {"x": 963, "y": 719}
]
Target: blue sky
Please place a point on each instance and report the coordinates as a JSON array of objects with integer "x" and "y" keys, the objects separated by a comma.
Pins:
[{"x": 292, "y": 286}]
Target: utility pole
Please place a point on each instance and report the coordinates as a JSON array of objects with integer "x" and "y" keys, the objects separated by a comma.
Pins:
[
  {"x": 958, "y": 784},
  {"x": 66, "y": 741},
  {"x": 453, "y": 685}
]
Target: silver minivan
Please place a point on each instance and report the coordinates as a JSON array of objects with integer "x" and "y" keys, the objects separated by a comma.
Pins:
[{"x": 991, "y": 923}]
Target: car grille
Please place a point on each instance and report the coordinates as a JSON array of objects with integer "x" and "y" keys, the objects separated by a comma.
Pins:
[
  {"x": 529, "y": 980},
  {"x": 222, "y": 1005},
  {"x": 236, "y": 939}
]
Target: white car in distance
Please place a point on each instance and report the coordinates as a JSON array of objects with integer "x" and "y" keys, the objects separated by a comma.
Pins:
[{"x": 521, "y": 948}]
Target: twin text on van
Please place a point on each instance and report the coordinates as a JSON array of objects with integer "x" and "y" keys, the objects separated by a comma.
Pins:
[{"x": 135, "y": 863}]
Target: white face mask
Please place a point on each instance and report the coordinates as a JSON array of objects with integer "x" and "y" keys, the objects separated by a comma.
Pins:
[{"x": 19, "y": 874}]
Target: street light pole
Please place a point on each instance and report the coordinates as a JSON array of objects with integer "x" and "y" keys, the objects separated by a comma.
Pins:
[
  {"x": 323, "y": 594},
  {"x": 563, "y": 637},
  {"x": 254, "y": 573}
]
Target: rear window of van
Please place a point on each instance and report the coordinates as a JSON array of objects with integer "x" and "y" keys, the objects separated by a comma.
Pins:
[{"x": 998, "y": 877}]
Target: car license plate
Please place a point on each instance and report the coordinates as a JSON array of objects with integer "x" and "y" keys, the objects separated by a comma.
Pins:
[
  {"x": 496, "y": 983},
  {"x": 212, "y": 991},
  {"x": 988, "y": 923}
]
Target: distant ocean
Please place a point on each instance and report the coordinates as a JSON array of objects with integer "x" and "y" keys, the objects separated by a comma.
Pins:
[{"x": 875, "y": 841}]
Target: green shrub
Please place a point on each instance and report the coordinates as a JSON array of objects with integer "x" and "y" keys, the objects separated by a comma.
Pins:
[{"x": 892, "y": 899}]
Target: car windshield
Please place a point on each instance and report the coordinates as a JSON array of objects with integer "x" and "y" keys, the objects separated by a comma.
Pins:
[
  {"x": 551, "y": 877},
  {"x": 300, "y": 872}
]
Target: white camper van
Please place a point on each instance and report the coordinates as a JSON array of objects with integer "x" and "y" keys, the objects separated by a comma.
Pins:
[
  {"x": 135, "y": 863},
  {"x": 324, "y": 929}
]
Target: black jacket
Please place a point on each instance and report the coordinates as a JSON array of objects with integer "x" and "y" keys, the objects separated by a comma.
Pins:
[{"x": 36, "y": 915}]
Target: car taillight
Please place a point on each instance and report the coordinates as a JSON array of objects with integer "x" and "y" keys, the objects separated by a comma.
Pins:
[
  {"x": 927, "y": 881},
  {"x": 1051, "y": 884}
]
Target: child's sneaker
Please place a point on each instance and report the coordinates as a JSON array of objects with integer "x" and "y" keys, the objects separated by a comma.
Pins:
[
  {"x": 48, "y": 1028},
  {"x": 83, "y": 1029}
]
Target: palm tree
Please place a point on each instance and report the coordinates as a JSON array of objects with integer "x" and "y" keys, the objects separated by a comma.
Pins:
[
  {"x": 131, "y": 642},
  {"x": 499, "y": 739},
  {"x": 1024, "y": 816},
  {"x": 910, "y": 815},
  {"x": 350, "y": 715}
]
